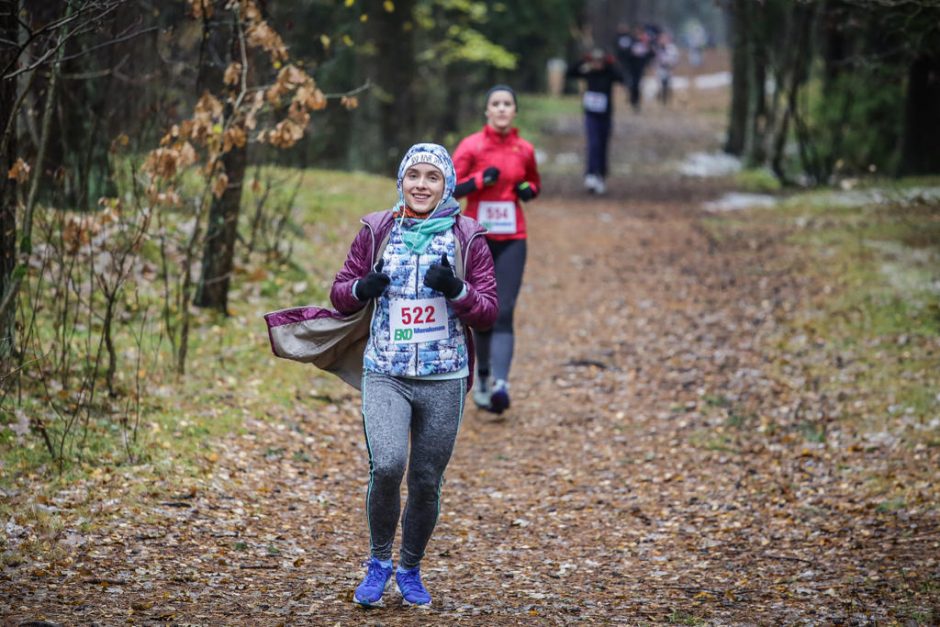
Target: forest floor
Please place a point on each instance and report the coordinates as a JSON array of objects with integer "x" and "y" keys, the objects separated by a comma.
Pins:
[{"x": 669, "y": 457}]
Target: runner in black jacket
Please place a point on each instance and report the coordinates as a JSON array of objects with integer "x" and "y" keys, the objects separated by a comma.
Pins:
[{"x": 600, "y": 71}]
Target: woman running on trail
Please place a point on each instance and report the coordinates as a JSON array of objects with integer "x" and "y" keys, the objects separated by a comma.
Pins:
[
  {"x": 497, "y": 173},
  {"x": 600, "y": 72},
  {"x": 431, "y": 274}
]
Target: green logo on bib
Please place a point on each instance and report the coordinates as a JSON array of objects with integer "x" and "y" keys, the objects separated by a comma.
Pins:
[{"x": 403, "y": 335}]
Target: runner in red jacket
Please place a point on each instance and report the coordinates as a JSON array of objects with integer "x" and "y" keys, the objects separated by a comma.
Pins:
[{"x": 497, "y": 172}]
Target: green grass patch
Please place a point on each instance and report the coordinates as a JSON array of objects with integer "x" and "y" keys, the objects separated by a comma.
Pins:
[
  {"x": 813, "y": 432},
  {"x": 757, "y": 180},
  {"x": 869, "y": 328},
  {"x": 681, "y": 617},
  {"x": 890, "y": 506},
  {"x": 713, "y": 440},
  {"x": 230, "y": 373}
]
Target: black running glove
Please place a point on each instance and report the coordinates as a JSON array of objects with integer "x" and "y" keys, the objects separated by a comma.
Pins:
[
  {"x": 490, "y": 176},
  {"x": 467, "y": 187},
  {"x": 441, "y": 277},
  {"x": 525, "y": 192},
  {"x": 373, "y": 284}
]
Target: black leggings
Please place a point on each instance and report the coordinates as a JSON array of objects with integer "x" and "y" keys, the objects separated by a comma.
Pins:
[{"x": 494, "y": 348}]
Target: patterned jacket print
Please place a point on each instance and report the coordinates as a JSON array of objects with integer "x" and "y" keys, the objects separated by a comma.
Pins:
[{"x": 477, "y": 309}]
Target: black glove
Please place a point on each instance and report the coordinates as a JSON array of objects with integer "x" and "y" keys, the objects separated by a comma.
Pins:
[
  {"x": 467, "y": 187},
  {"x": 373, "y": 284},
  {"x": 490, "y": 176},
  {"x": 524, "y": 191},
  {"x": 441, "y": 277}
]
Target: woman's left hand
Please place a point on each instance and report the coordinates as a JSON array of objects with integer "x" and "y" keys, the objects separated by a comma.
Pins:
[
  {"x": 441, "y": 277},
  {"x": 524, "y": 191}
]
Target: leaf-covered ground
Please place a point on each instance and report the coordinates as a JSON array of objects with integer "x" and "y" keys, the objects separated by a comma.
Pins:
[{"x": 678, "y": 451}]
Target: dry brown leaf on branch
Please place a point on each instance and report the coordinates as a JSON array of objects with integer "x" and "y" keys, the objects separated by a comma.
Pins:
[
  {"x": 187, "y": 155},
  {"x": 311, "y": 97},
  {"x": 251, "y": 117},
  {"x": 207, "y": 111},
  {"x": 260, "y": 35},
  {"x": 293, "y": 76},
  {"x": 298, "y": 114},
  {"x": 162, "y": 162},
  {"x": 250, "y": 11},
  {"x": 232, "y": 74},
  {"x": 201, "y": 9},
  {"x": 274, "y": 93},
  {"x": 220, "y": 184},
  {"x": 285, "y": 134},
  {"x": 234, "y": 136},
  {"x": 350, "y": 102},
  {"x": 20, "y": 171},
  {"x": 208, "y": 106}
]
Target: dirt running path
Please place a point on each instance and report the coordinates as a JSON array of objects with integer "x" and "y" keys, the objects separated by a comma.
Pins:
[{"x": 650, "y": 470}]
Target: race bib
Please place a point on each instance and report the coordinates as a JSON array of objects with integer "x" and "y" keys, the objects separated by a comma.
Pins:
[
  {"x": 420, "y": 320},
  {"x": 595, "y": 102},
  {"x": 498, "y": 217}
]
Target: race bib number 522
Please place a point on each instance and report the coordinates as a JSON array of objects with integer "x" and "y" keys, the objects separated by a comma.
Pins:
[{"x": 420, "y": 320}]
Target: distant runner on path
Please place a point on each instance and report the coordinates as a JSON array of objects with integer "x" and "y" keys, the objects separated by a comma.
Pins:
[
  {"x": 497, "y": 173},
  {"x": 600, "y": 72},
  {"x": 430, "y": 273}
]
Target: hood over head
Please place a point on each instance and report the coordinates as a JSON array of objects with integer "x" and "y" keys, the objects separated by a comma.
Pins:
[{"x": 433, "y": 154}]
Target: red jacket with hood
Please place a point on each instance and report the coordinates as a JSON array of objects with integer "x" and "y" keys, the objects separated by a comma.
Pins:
[{"x": 515, "y": 159}]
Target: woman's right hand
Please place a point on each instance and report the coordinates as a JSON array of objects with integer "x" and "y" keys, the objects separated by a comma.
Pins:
[
  {"x": 373, "y": 284},
  {"x": 490, "y": 176}
]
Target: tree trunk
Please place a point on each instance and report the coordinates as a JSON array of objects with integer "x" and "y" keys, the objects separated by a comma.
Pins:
[
  {"x": 8, "y": 32},
  {"x": 919, "y": 148},
  {"x": 392, "y": 72},
  {"x": 756, "y": 123},
  {"x": 219, "y": 248},
  {"x": 222, "y": 228},
  {"x": 737, "y": 120}
]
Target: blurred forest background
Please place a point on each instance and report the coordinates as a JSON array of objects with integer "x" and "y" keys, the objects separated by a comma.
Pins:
[
  {"x": 139, "y": 139},
  {"x": 737, "y": 418}
]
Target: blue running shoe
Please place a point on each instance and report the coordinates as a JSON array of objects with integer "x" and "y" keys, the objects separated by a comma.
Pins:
[
  {"x": 370, "y": 591},
  {"x": 499, "y": 397},
  {"x": 412, "y": 590}
]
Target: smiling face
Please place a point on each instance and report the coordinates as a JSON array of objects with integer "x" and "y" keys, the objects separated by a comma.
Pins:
[
  {"x": 500, "y": 110},
  {"x": 423, "y": 187}
]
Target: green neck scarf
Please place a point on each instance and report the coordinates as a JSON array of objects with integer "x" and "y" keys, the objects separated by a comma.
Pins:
[{"x": 417, "y": 234}]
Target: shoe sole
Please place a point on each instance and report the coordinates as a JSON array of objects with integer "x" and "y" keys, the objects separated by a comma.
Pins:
[
  {"x": 407, "y": 603},
  {"x": 479, "y": 402},
  {"x": 499, "y": 402}
]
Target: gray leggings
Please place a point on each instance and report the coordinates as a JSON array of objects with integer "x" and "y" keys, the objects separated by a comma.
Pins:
[
  {"x": 494, "y": 348},
  {"x": 430, "y": 412}
]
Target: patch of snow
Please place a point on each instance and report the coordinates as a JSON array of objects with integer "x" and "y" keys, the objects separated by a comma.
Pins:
[
  {"x": 567, "y": 158},
  {"x": 735, "y": 201},
  {"x": 681, "y": 83},
  {"x": 709, "y": 164},
  {"x": 877, "y": 196}
]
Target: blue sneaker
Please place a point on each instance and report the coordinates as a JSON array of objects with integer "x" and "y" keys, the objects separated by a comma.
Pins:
[
  {"x": 370, "y": 591},
  {"x": 499, "y": 397},
  {"x": 412, "y": 590}
]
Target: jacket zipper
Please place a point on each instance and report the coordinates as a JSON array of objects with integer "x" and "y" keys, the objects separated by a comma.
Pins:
[{"x": 415, "y": 345}]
